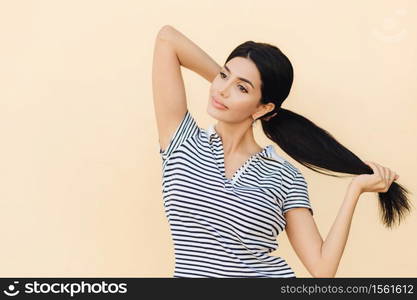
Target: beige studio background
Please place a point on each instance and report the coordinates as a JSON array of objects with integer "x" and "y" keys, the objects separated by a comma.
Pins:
[{"x": 80, "y": 179}]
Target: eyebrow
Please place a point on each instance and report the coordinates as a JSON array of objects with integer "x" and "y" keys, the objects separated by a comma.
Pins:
[{"x": 243, "y": 79}]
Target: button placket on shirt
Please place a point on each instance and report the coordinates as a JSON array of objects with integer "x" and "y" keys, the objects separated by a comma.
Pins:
[{"x": 219, "y": 157}]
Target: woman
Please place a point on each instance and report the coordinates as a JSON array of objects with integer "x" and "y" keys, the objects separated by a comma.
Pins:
[{"x": 227, "y": 198}]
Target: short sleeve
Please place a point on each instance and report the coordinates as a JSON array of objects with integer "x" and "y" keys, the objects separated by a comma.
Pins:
[
  {"x": 297, "y": 195},
  {"x": 187, "y": 128}
]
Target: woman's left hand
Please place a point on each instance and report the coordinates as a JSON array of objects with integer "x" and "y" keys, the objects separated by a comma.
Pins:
[{"x": 380, "y": 181}]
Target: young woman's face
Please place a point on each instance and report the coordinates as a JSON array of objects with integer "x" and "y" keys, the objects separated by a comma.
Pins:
[{"x": 238, "y": 89}]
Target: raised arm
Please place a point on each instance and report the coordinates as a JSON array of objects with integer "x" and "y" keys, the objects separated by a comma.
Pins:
[
  {"x": 173, "y": 50},
  {"x": 322, "y": 258}
]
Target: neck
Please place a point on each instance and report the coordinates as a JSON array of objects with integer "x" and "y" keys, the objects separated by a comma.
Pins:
[{"x": 237, "y": 138}]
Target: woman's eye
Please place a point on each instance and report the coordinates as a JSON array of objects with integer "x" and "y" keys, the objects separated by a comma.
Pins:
[
  {"x": 245, "y": 90},
  {"x": 221, "y": 73}
]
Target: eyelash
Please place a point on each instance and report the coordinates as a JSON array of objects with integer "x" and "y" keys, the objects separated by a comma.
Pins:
[{"x": 238, "y": 85}]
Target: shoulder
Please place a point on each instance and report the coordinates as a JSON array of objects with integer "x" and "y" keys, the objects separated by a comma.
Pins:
[{"x": 279, "y": 164}]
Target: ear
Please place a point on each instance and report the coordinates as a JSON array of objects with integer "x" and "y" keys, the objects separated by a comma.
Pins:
[{"x": 263, "y": 109}]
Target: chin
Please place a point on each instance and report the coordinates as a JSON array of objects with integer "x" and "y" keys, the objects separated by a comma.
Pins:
[
  {"x": 213, "y": 112},
  {"x": 210, "y": 111}
]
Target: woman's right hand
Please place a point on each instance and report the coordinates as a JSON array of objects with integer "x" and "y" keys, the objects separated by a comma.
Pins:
[{"x": 380, "y": 181}]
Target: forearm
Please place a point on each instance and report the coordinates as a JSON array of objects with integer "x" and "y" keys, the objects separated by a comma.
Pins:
[
  {"x": 189, "y": 54},
  {"x": 335, "y": 242}
]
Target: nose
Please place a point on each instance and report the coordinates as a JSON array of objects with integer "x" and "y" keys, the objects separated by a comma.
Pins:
[{"x": 224, "y": 90}]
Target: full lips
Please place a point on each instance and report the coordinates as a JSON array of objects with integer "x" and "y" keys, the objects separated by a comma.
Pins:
[{"x": 218, "y": 105}]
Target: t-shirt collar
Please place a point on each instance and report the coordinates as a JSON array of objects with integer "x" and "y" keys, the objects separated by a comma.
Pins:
[{"x": 211, "y": 133}]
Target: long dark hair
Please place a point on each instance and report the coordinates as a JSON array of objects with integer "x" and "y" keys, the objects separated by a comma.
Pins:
[{"x": 300, "y": 138}]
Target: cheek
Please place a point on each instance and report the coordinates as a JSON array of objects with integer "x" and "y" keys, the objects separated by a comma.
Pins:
[
  {"x": 215, "y": 84},
  {"x": 242, "y": 105}
]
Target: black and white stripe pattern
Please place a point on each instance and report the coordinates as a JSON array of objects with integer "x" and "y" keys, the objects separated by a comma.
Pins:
[{"x": 226, "y": 227}]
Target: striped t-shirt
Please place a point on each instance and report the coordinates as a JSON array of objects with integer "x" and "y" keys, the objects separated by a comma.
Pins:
[{"x": 226, "y": 227}]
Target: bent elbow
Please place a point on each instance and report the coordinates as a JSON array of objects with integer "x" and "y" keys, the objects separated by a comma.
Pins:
[{"x": 165, "y": 32}]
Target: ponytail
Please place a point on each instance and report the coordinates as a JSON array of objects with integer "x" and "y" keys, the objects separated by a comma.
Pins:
[{"x": 318, "y": 150}]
